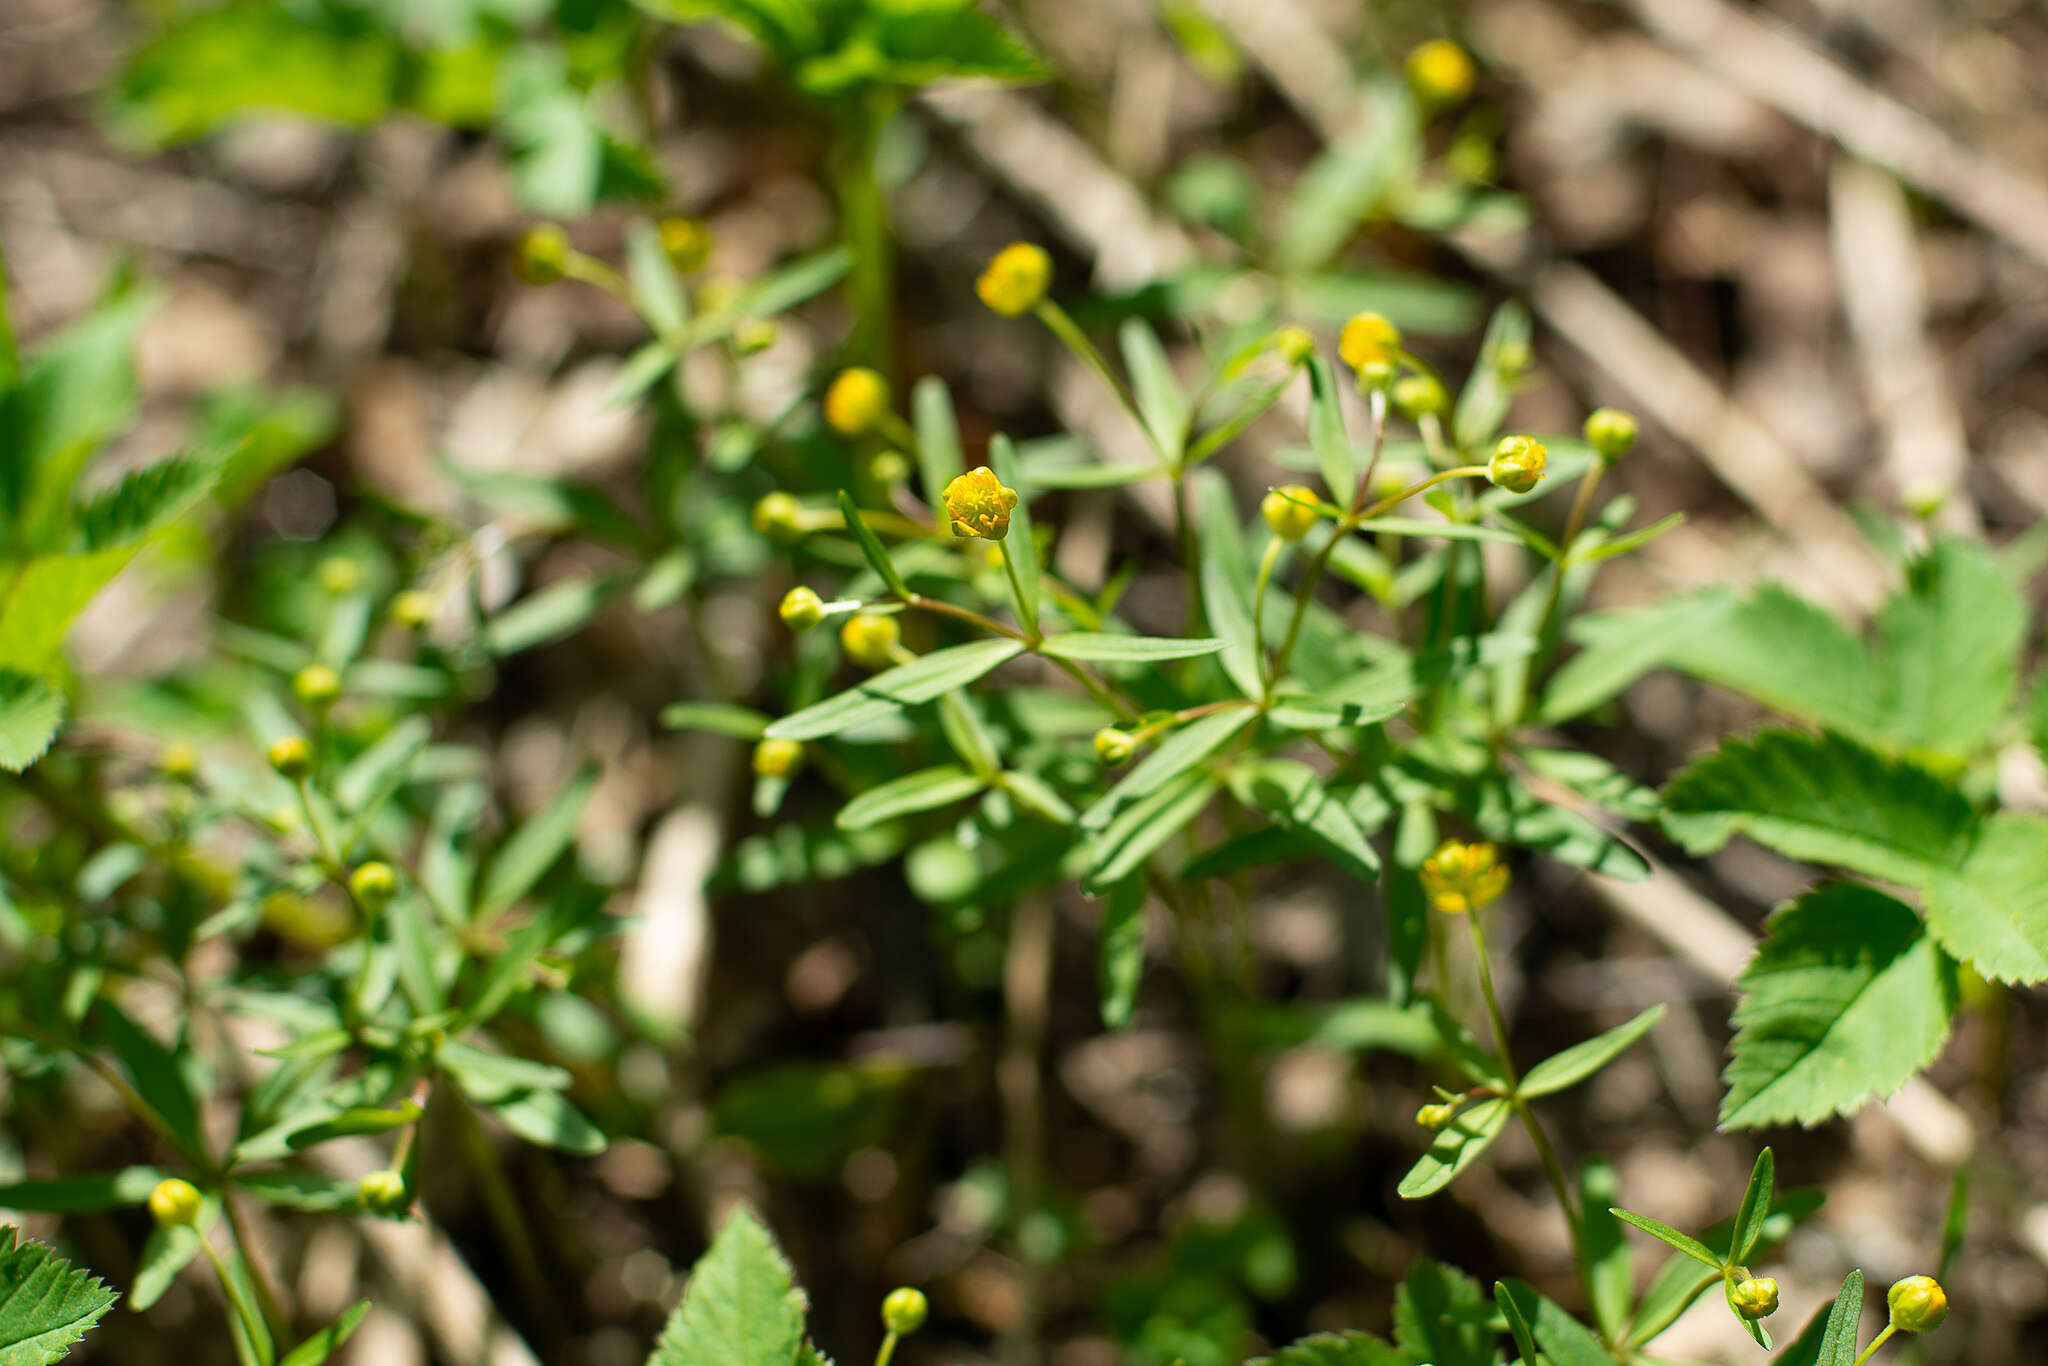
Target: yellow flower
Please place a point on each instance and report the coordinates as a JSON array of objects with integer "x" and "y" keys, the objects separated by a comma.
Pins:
[
  {"x": 1016, "y": 279},
  {"x": 1371, "y": 345},
  {"x": 174, "y": 1202},
  {"x": 857, "y": 400},
  {"x": 1440, "y": 73},
  {"x": 1517, "y": 463},
  {"x": 1463, "y": 877},
  {"x": 1290, "y": 510},
  {"x": 977, "y": 504},
  {"x": 686, "y": 241},
  {"x": 543, "y": 255},
  {"x": 777, "y": 758},
  {"x": 1918, "y": 1304},
  {"x": 1611, "y": 432},
  {"x": 870, "y": 639},
  {"x": 1755, "y": 1298}
]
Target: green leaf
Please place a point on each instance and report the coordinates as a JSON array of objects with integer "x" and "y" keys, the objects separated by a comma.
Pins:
[
  {"x": 1610, "y": 1282},
  {"x": 547, "y": 1118},
  {"x": 158, "y": 1076},
  {"x": 353, "y": 1123},
  {"x": 549, "y": 504},
  {"x": 373, "y": 776},
  {"x": 1483, "y": 404},
  {"x": 1326, "y": 434},
  {"x": 30, "y": 713},
  {"x": 1443, "y": 531},
  {"x": 890, "y": 691},
  {"x": 1443, "y": 1316},
  {"x": 1456, "y": 1147},
  {"x": 1634, "y": 540},
  {"x": 1349, "y": 182},
  {"x": 1846, "y": 998},
  {"x": 533, "y": 848},
  {"x": 657, "y": 289},
  {"x": 82, "y": 1194},
  {"x": 1682, "y": 1281},
  {"x": 718, "y": 718},
  {"x": 316, "y": 1349},
  {"x": 939, "y": 461},
  {"x": 1582, "y": 1060},
  {"x": 1226, "y": 582},
  {"x": 488, "y": 1078},
  {"x": 1110, "y": 649},
  {"x": 1564, "y": 1340},
  {"x": 1334, "y": 1349},
  {"x": 46, "y": 1304},
  {"x": 1691, "y": 1247},
  {"x": 1152, "y": 820},
  {"x": 1122, "y": 951},
  {"x": 1805, "y": 1349},
  {"x": 1949, "y": 647},
  {"x": 784, "y": 288},
  {"x": 1756, "y": 1207},
  {"x": 1292, "y": 794},
  {"x": 1993, "y": 912},
  {"x": 142, "y": 501},
  {"x": 913, "y": 792},
  {"x": 1183, "y": 748},
  {"x": 1020, "y": 545},
  {"x": 871, "y": 546},
  {"x": 1161, "y": 401},
  {"x": 1845, "y": 1320},
  {"x": 1518, "y": 1323},
  {"x": 1824, "y": 799},
  {"x": 739, "y": 1308},
  {"x": 167, "y": 1251},
  {"x": 549, "y": 614}
]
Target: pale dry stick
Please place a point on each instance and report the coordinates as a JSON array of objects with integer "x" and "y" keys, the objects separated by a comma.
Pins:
[
  {"x": 1781, "y": 68},
  {"x": 1657, "y": 377},
  {"x": 1878, "y": 266}
]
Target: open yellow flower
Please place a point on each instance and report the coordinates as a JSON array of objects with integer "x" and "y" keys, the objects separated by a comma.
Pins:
[
  {"x": 1440, "y": 73},
  {"x": 1371, "y": 345},
  {"x": 857, "y": 400},
  {"x": 977, "y": 504},
  {"x": 1461, "y": 877},
  {"x": 1016, "y": 279}
]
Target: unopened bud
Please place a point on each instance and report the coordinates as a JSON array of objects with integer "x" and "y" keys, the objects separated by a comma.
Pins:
[
  {"x": 1290, "y": 510},
  {"x": 373, "y": 885},
  {"x": 1517, "y": 463},
  {"x": 383, "y": 1192},
  {"x": 870, "y": 639},
  {"x": 1918, "y": 1304},
  {"x": 777, "y": 758},
  {"x": 1113, "y": 746},
  {"x": 317, "y": 686},
  {"x": 291, "y": 756},
  {"x": 543, "y": 254},
  {"x": 1611, "y": 432},
  {"x": 1755, "y": 1298},
  {"x": 801, "y": 609},
  {"x": 175, "y": 1203},
  {"x": 904, "y": 1311}
]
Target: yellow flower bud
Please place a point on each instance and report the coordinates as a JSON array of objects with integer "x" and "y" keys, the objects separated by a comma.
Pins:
[
  {"x": 1755, "y": 1298},
  {"x": 870, "y": 639},
  {"x": 1113, "y": 746},
  {"x": 1924, "y": 499},
  {"x": 383, "y": 1193},
  {"x": 175, "y": 1203},
  {"x": 1417, "y": 395},
  {"x": 339, "y": 574},
  {"x": 317, "y": 686},
  {"x": 779, "y": 517},
  {"x": 685, "y": 241},
  {"x": 1517, "y": 463},
  {"x": 756, "y": 335},
  {"x": 1371, "y": 345},
  {"x": 857, "y": 400},
  {"x": 1462, "y": 877},
  {"x": 889, "y": 467},
  {"x": 543, "y": 255},
  {"x": 904, "y": 1311},
  {"x": 1435, "y": 1117},
  {"x": 373, "y": 885},
  {"x": 292, "y": 756},
  {"x": 1297, "y": 344},
  {"x": 777, "y": 758},
  {"x": 801, "y": 609},
  {"x": 1290, "y": 510},
  {"x": 1440, "y": 73},
  {"x": 412, "y": 609},
  {"x": 1611, "y": 432},
  {"x": 977, "y": 504},
  {"x": 1016, "y": 279},
  {"x": 178, "y": 761},
  {"x": 1918, "y": 1304}
]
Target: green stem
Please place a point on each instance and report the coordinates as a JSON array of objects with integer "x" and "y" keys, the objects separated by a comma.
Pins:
[
  {"x": 1026, "y": 613},
  {"x": 266, "y": 1293},
  {"x": 1552, "y": 1168},
  {"x": 252, "y": 1323},
  {"x": 864, "y": 218},
  {"x": 1266, "y": 563},
  {"x": 1875, "y": 1343},
  {"x": 888, "y": 1349},
  {"x": 1574, "y": 524},
  {"x": 1076, "y": 341}
]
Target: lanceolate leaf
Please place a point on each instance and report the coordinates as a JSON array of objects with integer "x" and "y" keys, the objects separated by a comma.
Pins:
[
  {"x": 1182, "y": 749},
  {"x": 1756, "y": 1206},
  {"x": 871, "y": 546},
  {"x": 1152, "y": 820},
  {"x": 1110, "y": 649},
  {"x": 1846, "y": 999},
  {"x": 1825, "y": 799},
  {"x": 891, "y": 690},
  {"x": 1838, "y": 1344},
  {"x": 46, "y": 1304},
  {"x": 911, "y": 793},
  {"x": 1582, "y": 1060},
  {"x": 1564, "y": 1340},
  {"x": 1457, "y": 1145},
  {"x": 739, "y": 1308},
  {"x": 534, "y": 846},
  {"x": 1690, "y": 1246},
  {"x": 1123, "y": 951}
]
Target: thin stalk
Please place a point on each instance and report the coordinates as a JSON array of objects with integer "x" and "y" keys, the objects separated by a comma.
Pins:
[
  {"x": 1876, "y": 1343},
  {"x": 1026, "y": 613},
  {"x": 253, "y": 1326},
  {"x": 592, "y": 271},
  {"x": 1574, "y": 524},
  {"x": 864, "y": 217},
  {"x": 1076, "y": 341},
  {"x": 506, "y": 1212},
  {"x": 1551, "y": 1167},
  {"x": 266, "y": 1293},
  {"x": 1190, "y": 551},
  {"x": 1266, "y": 563},
  {"x": 888, "y": 1348}
]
